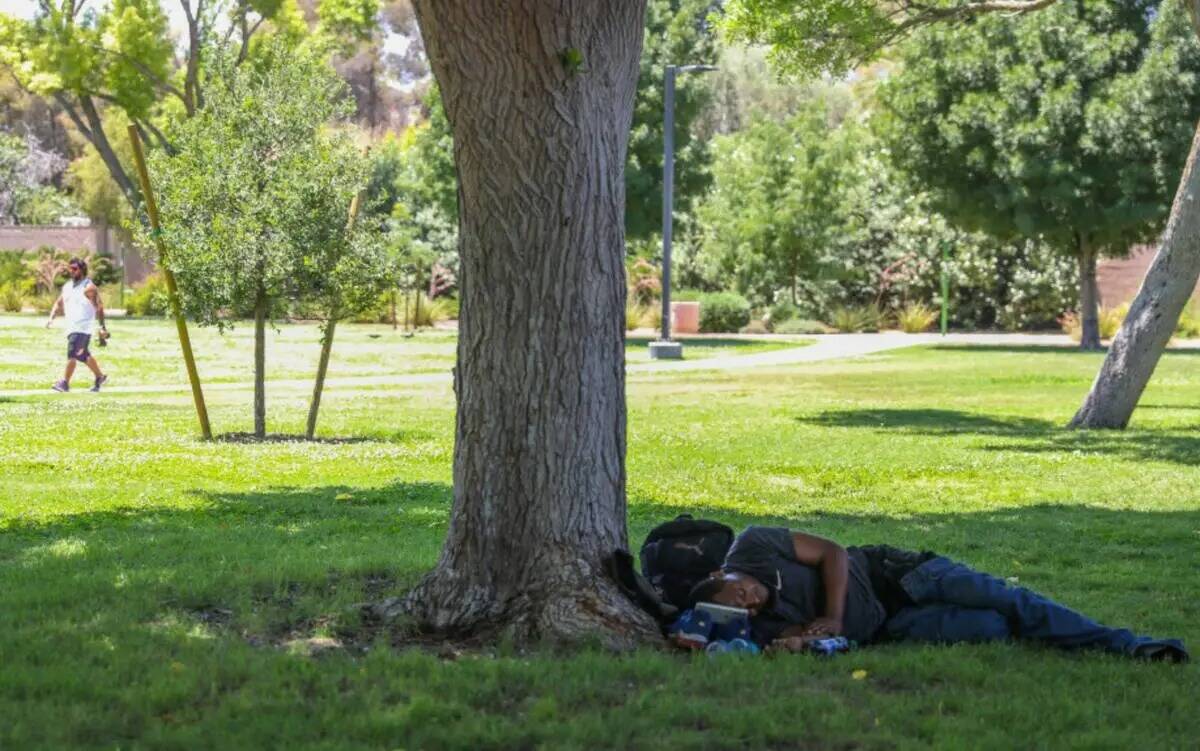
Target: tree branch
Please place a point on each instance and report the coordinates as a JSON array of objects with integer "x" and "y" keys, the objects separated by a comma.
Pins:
[
  {"x": 146, "y": 125},
  {"x": 145, "y": 71},
  {"x": 100, "y": 140}
]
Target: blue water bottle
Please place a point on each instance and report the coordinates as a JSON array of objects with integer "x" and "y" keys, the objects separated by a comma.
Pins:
[{"x": 830, "y": 645}]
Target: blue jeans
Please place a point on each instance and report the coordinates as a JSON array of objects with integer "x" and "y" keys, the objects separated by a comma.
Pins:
[{"x": 954, "y": 603}]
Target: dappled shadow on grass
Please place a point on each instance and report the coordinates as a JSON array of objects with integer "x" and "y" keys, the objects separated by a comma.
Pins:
[
  {"x": 1022, "y": 434},
  {"x": 143, "y": 637},
  {"x": 275, "y": 565}
]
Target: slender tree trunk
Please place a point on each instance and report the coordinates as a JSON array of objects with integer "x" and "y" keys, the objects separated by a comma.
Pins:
[
  {"x": 1152, "y": 317},
  {"x": 540, "y": 98},
  {"x": 1089, "y": 297},
  {"x": 260, "y": 364},
  {"x": 319, "y": 384}
]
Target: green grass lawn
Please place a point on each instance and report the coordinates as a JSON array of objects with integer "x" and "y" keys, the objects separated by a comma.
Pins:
[
  {"x": 150, "y": 582},
  {"x": 145, "y": 352}
]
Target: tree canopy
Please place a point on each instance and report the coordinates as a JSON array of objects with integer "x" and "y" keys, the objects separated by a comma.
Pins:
[{"x": 1060, "y": 124}]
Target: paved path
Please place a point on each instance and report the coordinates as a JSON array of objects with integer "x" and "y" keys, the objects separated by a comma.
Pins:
[
  {"x": 836, "y": 346},
  {"x": 827, "y": 347}
]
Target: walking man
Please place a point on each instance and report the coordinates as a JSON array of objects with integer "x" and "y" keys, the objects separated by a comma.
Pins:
[{"x": 80, "y": 305}]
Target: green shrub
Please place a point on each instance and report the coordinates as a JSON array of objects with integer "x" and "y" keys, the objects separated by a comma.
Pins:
[
  {"x": 12, "y": 296},
  {"x": 687, "y": 295},
  {"x": 633, "y": 316},
  {"x": 853, "y": 318},
  {"x": 42, "y": 302},
  {"x": 782, "y": 311},
  {"x": 652, "y": 316},
  {"x": 1110, "y": 322},
  {"x": 1189, "y": 322},
  {"x": 723, "y": 312},
  {"x": 12, "y": 267},
  {"x": 149, "y": 298},
  {"x": 915, "y": 317},
  {"x": 429, "y": 311},
  {"x": 801, "y": 326}
]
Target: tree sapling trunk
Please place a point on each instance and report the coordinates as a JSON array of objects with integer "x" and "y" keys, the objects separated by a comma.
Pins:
[
  {"x": 1089, "y": 297},
  {"x": 260, "y": 364}
]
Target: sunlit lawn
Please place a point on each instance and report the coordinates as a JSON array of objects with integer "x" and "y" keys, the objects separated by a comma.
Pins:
[{"x": 149, "y": 583}]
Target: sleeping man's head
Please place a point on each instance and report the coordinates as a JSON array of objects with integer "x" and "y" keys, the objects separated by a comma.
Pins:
[{"x": 733, "y": 589}]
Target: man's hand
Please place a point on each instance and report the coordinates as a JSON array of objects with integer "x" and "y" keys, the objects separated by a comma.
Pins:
[
  {"x": 790, "y": 644},
  {"x": 49, "y": 321},
  {"x": 824, "y": 626}
]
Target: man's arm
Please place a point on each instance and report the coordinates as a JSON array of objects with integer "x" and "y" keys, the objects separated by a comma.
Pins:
[
  {"x": 93, "y": 294},
  {"x": 54, "y": 310},
  {"x": 833, "y": 562}
]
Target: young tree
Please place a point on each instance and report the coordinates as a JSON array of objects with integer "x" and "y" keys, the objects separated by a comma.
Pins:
[
  {"x": 233, "y": 197},
  {"x": 776, "y": 203},
  {"x": 1025, "y": 129},
  {"x": 123, "y": 54},
  {"x": 344, "y": 267}
]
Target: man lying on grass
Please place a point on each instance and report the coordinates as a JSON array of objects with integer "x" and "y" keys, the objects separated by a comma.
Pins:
[{"x": 799, "y": 587}]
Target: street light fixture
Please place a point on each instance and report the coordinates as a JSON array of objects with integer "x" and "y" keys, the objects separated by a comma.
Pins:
[{"x": 664, "y": 348}]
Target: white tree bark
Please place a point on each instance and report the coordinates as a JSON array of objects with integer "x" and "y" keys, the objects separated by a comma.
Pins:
[
  {"x": 1155, "y": 311},
  {"x": 540, "y": 97}
]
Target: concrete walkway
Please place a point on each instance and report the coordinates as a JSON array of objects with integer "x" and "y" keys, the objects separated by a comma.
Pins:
[
  {"x": 837, "y": 346},
  {"x": 827, "y": 347}
]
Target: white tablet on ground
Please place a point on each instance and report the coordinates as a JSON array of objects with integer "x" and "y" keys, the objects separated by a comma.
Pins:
[{"x": 722, "y": 613}]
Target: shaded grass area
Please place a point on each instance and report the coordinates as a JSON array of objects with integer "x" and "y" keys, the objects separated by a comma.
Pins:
[{"x": 150, "y": 583}]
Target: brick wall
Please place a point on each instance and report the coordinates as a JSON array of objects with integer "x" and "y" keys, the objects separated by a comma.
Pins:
[
  {"x": 97, "y": 238},
  {"x": 1120, "y": 279}
]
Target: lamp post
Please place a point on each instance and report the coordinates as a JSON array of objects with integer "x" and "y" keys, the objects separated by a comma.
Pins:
[{"x": 664, "y": 348}]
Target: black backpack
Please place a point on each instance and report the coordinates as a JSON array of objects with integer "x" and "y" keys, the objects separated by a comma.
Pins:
[{"x": 677, "y": 555}]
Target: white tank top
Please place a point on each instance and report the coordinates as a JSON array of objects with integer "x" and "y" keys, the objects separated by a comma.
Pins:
[{"x": 77, "y": 309}]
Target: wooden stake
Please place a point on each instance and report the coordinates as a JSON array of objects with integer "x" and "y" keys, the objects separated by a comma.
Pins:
[
  {"x": 326, "y": 346},
  {"x": 185, "y": 342}
]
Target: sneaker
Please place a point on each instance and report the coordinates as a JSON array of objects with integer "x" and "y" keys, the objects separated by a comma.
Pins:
[
  {"x": 692, "y": 630},
  {"x": 100, "y": 381},
  {"x": 61, "y": 386}
]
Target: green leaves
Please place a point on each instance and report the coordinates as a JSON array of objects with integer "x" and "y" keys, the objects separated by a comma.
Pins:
[
  {"x": 1055, "y": 124},
  {"x": 258, "y": 195}
]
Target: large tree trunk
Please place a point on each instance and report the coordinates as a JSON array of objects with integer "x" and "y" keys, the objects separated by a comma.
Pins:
[
  {"x": 1089, "y": 297},
  {"x": 260, "y": 365},
  {"x": 540, "y": 98},
  {"x": 1154, "y": 313}
]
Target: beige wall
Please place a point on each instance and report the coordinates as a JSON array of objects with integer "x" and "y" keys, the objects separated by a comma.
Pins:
[
  {"x": 1120, "y": 279},
  {"x": 97, "y": 238}
]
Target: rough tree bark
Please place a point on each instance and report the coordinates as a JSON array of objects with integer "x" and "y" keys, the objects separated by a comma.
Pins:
[
  {"x": 1154, "y": 312},
  {"x": 260, "y": 364},
  {"x": 1089, "y": 296},
  {"x": 540, "y": 96}
]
